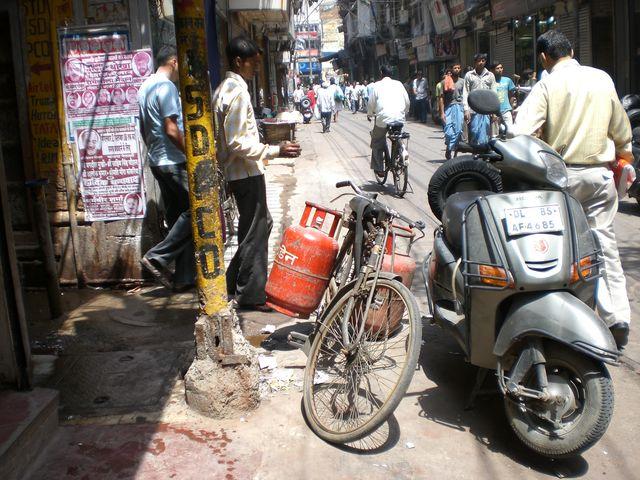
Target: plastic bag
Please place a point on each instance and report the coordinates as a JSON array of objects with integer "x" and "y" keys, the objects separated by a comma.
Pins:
[
  {"x": 623, "y": 175},
  {"x": 316, "y": 112},
  {"x": 448, "y": 83}
]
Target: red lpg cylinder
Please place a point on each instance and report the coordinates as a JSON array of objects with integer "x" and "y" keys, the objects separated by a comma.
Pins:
[
  {"x": 387, "y": 308},
  {"x": 301, "y": 269}
]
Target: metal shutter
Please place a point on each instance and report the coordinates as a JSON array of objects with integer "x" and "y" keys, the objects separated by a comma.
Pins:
[
  {"x": 586, "y": 57},
  {"x": 503, "y": 50},
  {"x": 567, "y": 25}
]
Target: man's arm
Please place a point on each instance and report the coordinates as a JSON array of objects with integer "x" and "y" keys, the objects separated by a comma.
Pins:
[
  {"x": 532, "y": 114},
  {"x": 407, "y": 102},
  {"x": 371, "y": 106},
  {"x": 620, "y": 128},
  {"x": 465, "y": 98},
  {"x": 172, "y": 131}
]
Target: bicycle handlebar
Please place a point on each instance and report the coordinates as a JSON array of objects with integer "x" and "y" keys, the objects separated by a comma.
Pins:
[{"x": 419, "y": 224}]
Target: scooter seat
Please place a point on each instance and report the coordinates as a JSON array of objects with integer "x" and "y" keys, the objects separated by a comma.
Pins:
[{"x": 454, "y": 209}]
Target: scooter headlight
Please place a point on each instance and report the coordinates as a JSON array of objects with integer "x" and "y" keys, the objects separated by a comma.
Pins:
[{"x": 556, "y": 169}]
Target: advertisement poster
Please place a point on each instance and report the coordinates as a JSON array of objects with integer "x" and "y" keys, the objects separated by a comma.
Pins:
[
  {"x": 110, "y": 169},
  {"x": 458, "y": 12},
  {"x": 440, "y": 16},
  {"x": 104, "y": 85},
  {"x": 91, "y": 43},
  {"x": 106, "y": 11}
]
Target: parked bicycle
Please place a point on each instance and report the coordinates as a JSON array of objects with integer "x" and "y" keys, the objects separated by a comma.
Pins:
[
  {"x": 364, "y": 351},
  {"x": 396, "y": 160}
]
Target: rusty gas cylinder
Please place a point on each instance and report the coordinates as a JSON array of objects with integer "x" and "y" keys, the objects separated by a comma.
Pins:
[{"x": 303, "y": 265}]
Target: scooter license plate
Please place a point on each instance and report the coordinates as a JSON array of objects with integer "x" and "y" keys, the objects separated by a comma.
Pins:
[{"x": 543, "y": 219}]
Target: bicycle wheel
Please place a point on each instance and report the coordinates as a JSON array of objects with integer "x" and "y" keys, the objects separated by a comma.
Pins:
[
  {"x": 400, "y": 177},
  {"x": 350, "y": 391}
]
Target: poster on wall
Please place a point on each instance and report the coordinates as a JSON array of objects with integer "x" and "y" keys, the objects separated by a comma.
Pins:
[
  {"x": 103, "y": 85},
  {"x": 440, "y": 16},
  {"x": 94, "y": 42},
  {"x": 106, "y": 11},
  {"x": 445, "y": 46},
  {"x": 458, "y": 12},
  {"x": 110, "y": 169}
]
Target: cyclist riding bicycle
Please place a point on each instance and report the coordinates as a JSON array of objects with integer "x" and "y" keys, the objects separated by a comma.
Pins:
[{"x": 389, "y": 103}]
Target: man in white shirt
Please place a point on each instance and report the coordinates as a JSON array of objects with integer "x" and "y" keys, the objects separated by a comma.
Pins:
[
  {"x": 298, "y": 95},
  {"x": 581, "y": 117},
  {"x": 420, "y": 90},
  {"x": 389, "y": 103},
  {"x": 243, "y": 157},
  {"x": 338, "y": 98},
  {"x": 326, "y": 104}
]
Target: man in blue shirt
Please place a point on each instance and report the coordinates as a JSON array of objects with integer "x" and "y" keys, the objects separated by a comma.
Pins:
[
  {"x": 505, "y": 88},
  {"x": 162, "y": 130}
]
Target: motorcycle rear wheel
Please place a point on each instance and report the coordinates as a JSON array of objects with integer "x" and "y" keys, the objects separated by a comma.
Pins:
[{"x": 580, "y": 427}]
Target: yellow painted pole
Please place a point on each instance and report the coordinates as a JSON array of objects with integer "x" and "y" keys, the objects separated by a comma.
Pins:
[{"x": 201, "y": 155}]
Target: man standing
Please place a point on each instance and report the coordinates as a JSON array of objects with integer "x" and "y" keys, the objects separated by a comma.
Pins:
[
  {"x": 420, "y": 90},
  {"x": 452, "y": 110},
  {"x": 477, "y": 79},
  {"x": 389, "y": 103},
  {"x": 162, "y": 130},
  {"x": 585, "y": 123},
  {"x": 243, "y": 157},
  {"x": 505, "y": 89},
  {"x": 338, "y": 98},
  {"x": 365, "y": 96},
  {"x": 326, "y": 104},
  {"x": 298, "y": 95}
]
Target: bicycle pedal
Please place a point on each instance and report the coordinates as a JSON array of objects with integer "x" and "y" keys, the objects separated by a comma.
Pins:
[{"x": 297, "y": 340}]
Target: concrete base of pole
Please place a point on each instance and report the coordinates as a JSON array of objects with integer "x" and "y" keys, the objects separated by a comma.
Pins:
[{"x": 217, "y": 385}]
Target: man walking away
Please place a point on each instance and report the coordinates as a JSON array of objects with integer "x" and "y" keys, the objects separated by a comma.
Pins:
[
  {"x": 420, "y": 90},
  {"x": 162, "y": 130},
  {"x": 477, "y": 79},
  {"x": 338, "y": 98},
  {"x": 298, "y": 95},
  {"x": 506, "y": 89},
  {"x": 585, "y": 123},
  {"x": 243, "y": 156},
  {"x": 452, "y": 110},
  {"x": 348, "y": 93},
  {"x": 389, "y": 103},
  {"x": 326, "y": 104}
]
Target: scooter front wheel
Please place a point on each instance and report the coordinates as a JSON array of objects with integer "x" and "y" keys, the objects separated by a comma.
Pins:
[{"x": 564, "y": 428}]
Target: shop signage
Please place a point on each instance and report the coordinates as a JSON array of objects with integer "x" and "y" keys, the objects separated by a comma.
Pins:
[
  {"x": 458, "y": 12},
  {"x": 422, "y": 53},
  {"x": 440, "y": 16},
  {"x": 505, "y": 9},
  {"x": 445, "y": 46},
  {"x": 381, "y": 49},
  {"x": 110, "y": 169},
  {"x": 419, "y": 41}
]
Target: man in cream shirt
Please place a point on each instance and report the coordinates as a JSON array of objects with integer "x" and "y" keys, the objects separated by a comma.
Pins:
[
  {"x": 578, "y": 112},
  {"x": 243, "y": 156}
]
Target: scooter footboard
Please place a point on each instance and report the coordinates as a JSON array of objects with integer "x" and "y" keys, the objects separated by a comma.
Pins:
[{"x": 559, "y": 316}]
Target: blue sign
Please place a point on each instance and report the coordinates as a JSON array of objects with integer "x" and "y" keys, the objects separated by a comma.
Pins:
[{"x": 303, "y": 68}]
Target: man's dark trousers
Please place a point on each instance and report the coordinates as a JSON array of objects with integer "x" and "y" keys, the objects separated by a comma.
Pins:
[
  {"x": 247, "y": 272},
  {"x": 178, "y": 244},
  {"x": 326, "y": 121}
]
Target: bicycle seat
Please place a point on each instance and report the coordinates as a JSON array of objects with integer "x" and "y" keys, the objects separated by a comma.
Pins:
[
  {"x": 395, "y": 127},
  {"x": 454, "y": 209}
]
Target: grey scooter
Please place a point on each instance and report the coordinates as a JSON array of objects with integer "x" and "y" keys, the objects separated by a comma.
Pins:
[{"x": 512, "y": 276}]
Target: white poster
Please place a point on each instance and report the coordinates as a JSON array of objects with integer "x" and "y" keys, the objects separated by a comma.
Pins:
[{"x": 440, "y": 16}]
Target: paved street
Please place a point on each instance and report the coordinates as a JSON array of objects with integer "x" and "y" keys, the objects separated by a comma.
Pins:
[{"x": 430, "y": 434}]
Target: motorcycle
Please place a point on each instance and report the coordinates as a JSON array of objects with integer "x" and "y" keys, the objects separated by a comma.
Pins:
[
  {"x": 512, "y": 276},
  {"x": 305, "y": 109}
]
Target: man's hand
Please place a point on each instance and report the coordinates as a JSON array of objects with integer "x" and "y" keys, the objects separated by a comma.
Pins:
[
  {"x": 467, "y": 116},
  {"x": 443, "y": 117},
  {"x": 368, "y": 118},
  {"x": 289, "y": 149}
]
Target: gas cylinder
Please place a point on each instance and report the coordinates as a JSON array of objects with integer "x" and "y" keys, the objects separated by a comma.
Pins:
[
  {"x": 387, "y": 308},
  {"x": 305, "y": 259}
]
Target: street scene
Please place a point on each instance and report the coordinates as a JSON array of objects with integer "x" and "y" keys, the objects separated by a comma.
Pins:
[{"x": 311, "y": 238}]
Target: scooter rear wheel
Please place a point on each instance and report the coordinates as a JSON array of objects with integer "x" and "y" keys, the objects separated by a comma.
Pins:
[{"x": 588, "y": 387}]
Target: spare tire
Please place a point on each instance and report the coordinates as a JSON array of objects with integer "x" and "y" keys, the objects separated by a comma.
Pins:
[
  {"x": 305, "y": 103},
  {"x": 461, "y": 174},
  {"x": 630, "y": 101},
  {"x": 634, "y": 117}
]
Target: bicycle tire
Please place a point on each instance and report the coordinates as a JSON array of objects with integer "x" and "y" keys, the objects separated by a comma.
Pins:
[
  {"x": 400, "y": 177},
  {"x": 412, "y": 327}
]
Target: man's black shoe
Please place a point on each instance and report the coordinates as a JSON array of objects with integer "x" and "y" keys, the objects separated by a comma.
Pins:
[
  {"x": 159, "y": 272},
  {"x": 447, "y": 154},
  {"x": 620, "y": 332}
]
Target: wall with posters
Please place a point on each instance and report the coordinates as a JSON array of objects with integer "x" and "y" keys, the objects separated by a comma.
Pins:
[{"x": 87, "y": 116}]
